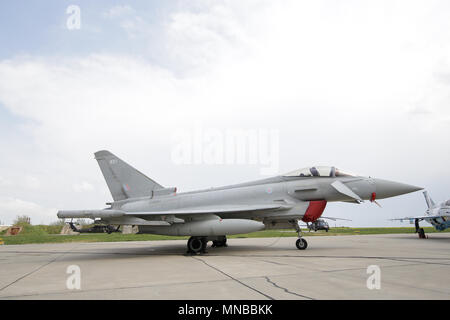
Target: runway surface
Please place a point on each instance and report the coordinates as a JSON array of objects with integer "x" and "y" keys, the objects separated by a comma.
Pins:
[{"x": 333, "y": 267}]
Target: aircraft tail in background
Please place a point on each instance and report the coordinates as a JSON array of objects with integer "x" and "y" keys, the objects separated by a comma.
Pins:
[{"x": 430, "y": 202}]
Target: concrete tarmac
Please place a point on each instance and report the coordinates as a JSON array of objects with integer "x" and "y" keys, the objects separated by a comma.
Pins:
[{"x": 333, "y": 267}]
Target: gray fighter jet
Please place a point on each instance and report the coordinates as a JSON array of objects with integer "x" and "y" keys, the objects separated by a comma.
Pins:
[
  {"x": 210, "y": 215},
  {"x": 437, "y": 214}
]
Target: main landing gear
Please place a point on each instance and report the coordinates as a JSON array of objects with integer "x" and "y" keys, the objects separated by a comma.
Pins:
[
  {"x": 221, "y": 242},
  {"x": 419, "y": 230},
  {"x": 197, "y": 245},
  {"x": 301, "y": 243}
]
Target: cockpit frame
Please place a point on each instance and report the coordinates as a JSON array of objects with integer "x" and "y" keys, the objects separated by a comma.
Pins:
[{"x": 318, "y": 171}]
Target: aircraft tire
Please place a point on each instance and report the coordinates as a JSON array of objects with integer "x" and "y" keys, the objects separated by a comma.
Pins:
[
  {"x": 422, "y": 233},
  {"x": 301, "y": 244},
  {"x": 220, "y": 243},
  {"x": 204, "y": 244},
  {"x": 196, "y": 245}
]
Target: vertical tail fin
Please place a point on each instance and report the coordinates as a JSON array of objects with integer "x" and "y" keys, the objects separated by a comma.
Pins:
[
  {"x": 123, "y": 180},
  {"x": 430, "y": 202}
]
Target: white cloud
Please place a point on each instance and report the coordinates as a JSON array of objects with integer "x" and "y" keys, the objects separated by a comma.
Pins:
[
  {"x": 83, "y": 187},
  {"x": 4, "y": 182},
  {"x": 10, "y": 208},
  {"x": 345, "y": 83},
  {"x": 199, "y": 38},
  {"x": 129, "y": 20},
  {"x": 18, "y": 180},
  {"x": 119, "y": 11}
]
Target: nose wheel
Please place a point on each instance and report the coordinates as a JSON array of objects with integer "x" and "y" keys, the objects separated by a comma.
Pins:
[{"x": 301, "y": 243}]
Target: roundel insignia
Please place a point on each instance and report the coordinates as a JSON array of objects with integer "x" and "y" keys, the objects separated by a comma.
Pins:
[{"x": 269, "y": 190}]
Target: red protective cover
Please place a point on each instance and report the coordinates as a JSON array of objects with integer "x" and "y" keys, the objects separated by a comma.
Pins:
[{"x": 314, "y": 210}]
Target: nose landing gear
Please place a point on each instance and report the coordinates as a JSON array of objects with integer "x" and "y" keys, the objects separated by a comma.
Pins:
[{"x": 301, "y": 243}]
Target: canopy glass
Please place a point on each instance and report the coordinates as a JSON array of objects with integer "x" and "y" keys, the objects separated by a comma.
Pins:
[{"x": 318, "y": 171}]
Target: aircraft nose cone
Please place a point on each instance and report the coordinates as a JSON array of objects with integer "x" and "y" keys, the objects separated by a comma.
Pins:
[{"x": 387, "y": 189}]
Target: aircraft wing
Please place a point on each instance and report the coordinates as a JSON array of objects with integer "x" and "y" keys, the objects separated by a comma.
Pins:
[
  {"x": 109, "y": 213},
  {"x": 334, "y": 219},
  {"x": 421, "y": 217}
]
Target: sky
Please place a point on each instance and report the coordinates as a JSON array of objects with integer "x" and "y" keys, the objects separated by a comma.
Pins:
[{"x": 361, "y": 85}]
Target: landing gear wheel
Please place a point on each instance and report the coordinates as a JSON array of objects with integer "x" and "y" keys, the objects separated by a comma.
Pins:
[
  {"x": 220, "y": 243},
  {"x": 301, "y": 244},
  {"x": 422, "y": 233},
  {"x": 196, "y": 245},
  {"x": 204, "y": 245}
]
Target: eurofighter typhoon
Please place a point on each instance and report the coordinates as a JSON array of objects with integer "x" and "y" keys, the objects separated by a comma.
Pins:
[{"x": 279, "y": 202}]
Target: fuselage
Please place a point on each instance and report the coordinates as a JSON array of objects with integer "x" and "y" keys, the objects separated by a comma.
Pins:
[
  {"x": 292, "y": 197},
  {"x": 442, "y": 222},
  {"x": 279, "y": 190}
]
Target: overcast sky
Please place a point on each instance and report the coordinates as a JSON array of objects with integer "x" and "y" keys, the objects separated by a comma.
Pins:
[{"x": 361, "y": 85}]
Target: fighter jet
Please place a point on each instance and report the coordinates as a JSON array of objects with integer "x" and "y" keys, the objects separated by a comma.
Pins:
[
  {"x": 278, "y": 202},
  {"x": 437, "y": 215}
]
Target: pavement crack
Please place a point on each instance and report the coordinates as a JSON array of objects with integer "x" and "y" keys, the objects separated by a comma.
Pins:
[
  {"x": 277, "y": 263},
  {"x": 234, "y": 279},
  {"x": 287, "y": 290}
]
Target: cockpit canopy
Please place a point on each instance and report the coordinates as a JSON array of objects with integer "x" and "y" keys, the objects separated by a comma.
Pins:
[{"x": 318, "y": 171}]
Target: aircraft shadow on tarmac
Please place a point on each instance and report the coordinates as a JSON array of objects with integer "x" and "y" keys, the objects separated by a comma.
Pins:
[
  {"x": 175, "y": 250},
  {"x": 272, "y": 248},
  {"x": 442, "y": 237}
]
